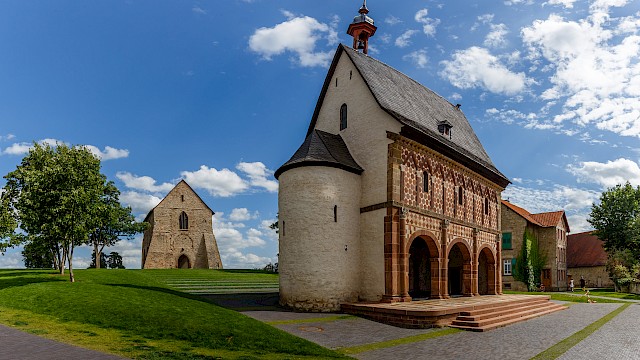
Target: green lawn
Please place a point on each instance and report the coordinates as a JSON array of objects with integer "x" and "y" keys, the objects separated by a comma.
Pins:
[
  {"x": 139, "y": 314},
  {"x": 613, "y": 294},
  {"x": 563, "y": 296}
]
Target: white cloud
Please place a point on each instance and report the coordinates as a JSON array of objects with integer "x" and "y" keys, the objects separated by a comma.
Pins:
[
  {"x": 497, "y": 36},
  {"x": 576, "y": 202},
  {"x": 392, "y": 20},
  {"x": 607, "y": 174},
  {"x": 140, "y": 203},
  {"x": 476, "y": 67},
  {"x": 419, "y": 58},
  {"x": 297, "y": 35},
  {"x": 242, "y": 214},
  {"x": 24, "y": 147},
  {"x": 404, "y": 40},
  {"x": 267, "y": 231},
  {"x": 145, "y": 183},
  {"x": 428, "y": 24},
  {"x": 130, "y": 250},
  {"x": 235, "y": 259},
  {"x": 12, "y": 259},
  {"x": 258, "y": 173},
  {"x": 230, "y": 237},
  {"x": 518, "y": 2},
  {"x": 223, "y": 183},
  {"x": 566, "y": 3},
  {"x": 198, "y": 10},
  {"x": 109, "y": 152},
  {"x": 7, "y": 137},
  {"x": 594, "y": 66}
]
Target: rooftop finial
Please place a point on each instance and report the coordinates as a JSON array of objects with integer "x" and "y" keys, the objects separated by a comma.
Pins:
[
  {"x": 362, "y": 29},
  {"x": 363, "y": 9}
]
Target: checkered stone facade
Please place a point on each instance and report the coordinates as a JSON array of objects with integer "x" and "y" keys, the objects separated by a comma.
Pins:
[{"x": 446, "y": 205}]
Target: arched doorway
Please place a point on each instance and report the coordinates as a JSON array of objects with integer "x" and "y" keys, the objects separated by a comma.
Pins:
[
  {"x": 486, "y": 272},
  {"x": 419, "y": 269},
  {"x": 183, "y": 262},
  {"x": 459, "y": 270}
]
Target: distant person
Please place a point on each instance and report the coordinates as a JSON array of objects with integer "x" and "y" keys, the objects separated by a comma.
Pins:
[
  {"x": 571, "y": 284},
  {"x": 582, "y": 282}
]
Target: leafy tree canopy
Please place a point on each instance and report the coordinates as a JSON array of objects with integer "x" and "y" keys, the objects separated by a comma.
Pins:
[{"x": 616, "y": 219}]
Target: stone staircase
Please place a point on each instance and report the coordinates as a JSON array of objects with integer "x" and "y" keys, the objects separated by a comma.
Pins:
[{"x": 492, "y": 316}]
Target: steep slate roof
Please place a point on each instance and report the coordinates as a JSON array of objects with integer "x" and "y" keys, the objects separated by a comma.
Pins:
[
  {"x": 420, "y": 110},
  {"x": 584, "y": 250},
  {"x": 321, "y": 148},
  {"x": 190, "y": 188},
  {"x": 545, "y": 219}
]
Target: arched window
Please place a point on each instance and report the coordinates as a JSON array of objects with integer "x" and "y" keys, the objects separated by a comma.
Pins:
[
  {"x": 343, "y": 117},
  {"x": 184, "y": 221},
  {"x": 460, "y": 195}
]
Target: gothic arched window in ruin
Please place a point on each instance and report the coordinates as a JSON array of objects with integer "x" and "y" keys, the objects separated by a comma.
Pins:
[
  {"x": 343, "y": 116},
  {"x": 184, "y": 221}
]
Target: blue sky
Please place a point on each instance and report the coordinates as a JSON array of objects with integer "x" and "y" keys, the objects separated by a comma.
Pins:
[{"x": 221, "y": 94}]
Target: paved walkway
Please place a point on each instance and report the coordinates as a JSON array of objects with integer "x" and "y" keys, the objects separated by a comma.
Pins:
[
  {"x": 615, "y": 340},
  {"x": 18, "y": 345},
  {"x": 518, "y": 341}
]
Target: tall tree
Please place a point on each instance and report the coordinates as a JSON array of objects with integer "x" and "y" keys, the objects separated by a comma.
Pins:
[
  {"x": 8, "y": 222},
  {"x": 37, "y": 255},
  {"x": 616, "y": 219},
  {"x": 55, "y": 192},
  {"x": 113, "y": 221},
  {"x": 101, "y": 264},
  {"x": 115, "y": 261}
]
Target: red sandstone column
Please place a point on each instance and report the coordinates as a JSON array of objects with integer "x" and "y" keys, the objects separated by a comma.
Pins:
[
  {"x": 493, "y": 289},
  {"x": 403, "y": 271},
  {"x": 435, "y": 279},
  {"x": 444, "y": 268},
  {"x": 498, "y": 267},
  {"x": 475, "y": 265}
]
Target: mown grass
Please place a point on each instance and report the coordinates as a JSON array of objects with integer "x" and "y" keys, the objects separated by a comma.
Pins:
[
  {"x": 134, "y": 313},
  {"x": 560, "y": 296},
  {"x": 613, "y": 294}
]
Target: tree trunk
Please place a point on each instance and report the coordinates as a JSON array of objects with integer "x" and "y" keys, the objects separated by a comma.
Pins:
[
  {"x": 97, "y": 252},
  {"x": 69, "y": 258}
]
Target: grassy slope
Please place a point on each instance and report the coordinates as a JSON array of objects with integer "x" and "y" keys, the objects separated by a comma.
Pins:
[
  {"x": 138, "y": 304},
  {"x": 561, "y": 296}
]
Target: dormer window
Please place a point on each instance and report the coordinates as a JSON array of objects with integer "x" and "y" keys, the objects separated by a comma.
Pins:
[
  {"x": 444, "y": 127},
  {"x": 343, "y": 117}
]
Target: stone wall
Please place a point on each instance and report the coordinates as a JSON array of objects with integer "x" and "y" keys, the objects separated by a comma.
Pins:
[
  {"x": 164, "y": 243},
  {"x": 319, "y": 238},
  {"x": 594, "y": 276}
]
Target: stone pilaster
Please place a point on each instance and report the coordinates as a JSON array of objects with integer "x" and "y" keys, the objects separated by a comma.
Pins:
[{"x": 444, "y": 268}]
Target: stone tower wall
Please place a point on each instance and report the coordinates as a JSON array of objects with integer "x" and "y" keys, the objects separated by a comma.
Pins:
[{"x": 319, "y": 249}]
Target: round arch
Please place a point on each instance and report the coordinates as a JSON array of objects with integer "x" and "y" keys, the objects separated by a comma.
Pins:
[
  {"x": 459, "y": 274},
  {"x": 184, "y": 262},
  {"x": 486, "y": 270},
  {"x": 422, "y": 262}
]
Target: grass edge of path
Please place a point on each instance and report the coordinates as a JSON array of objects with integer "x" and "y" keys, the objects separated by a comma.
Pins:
[
  {"x": 395, "y": 342},
  {"x": 564, "y": 345}
]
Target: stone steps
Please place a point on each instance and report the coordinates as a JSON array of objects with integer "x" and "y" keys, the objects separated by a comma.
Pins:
[{"x": 502, "y": 315}]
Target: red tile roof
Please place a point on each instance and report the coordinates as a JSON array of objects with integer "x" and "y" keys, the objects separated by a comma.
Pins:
[
  {"x": 585, "y": 249},
  {"x": 520, "y": 211}
]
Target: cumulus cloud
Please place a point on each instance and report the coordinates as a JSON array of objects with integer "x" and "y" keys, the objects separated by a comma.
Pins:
[
  {"x": 223, "y": 183},
  {"x": 140, "y": 203},
  {"x": 607, "y": 174},
  {"x": 109, "y": 153},
  {"x": 404, "y": 40},
  {"x": 298, "y": 35},
  {"x": 23, "y": 147},
  {"x": 130, "y": 250},
  {"x": 7, "y": 137},
  {"x": 258, "y": 173},
  {"x": 497, "y": 36},
  {"x": 12, "y": 259},
  {"x": 145, "y": 183},
  {"x": 476, "y": 67},
  {"x": 594, "y": 66},
  {"x": 392, "y": 20},
  {"x": 419, "y": 58},
  {"x": 241, "y": 214},
  {"x": 575, "y": 201},
  {"x": 428, "y": 24},
  {"x": 198, "y": 10},
  {"x": 566, "y": 3},
  {"x": 232, "y": 240},
  {"x": 234, "y": 259}
]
